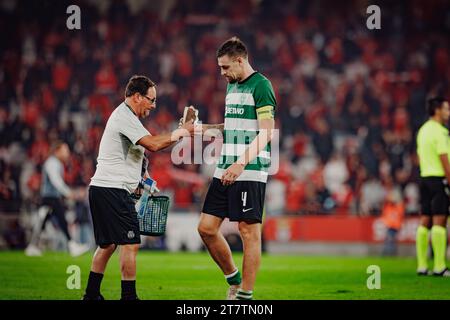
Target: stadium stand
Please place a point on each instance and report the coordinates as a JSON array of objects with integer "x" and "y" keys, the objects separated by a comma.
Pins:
[{"x": 350, "y": 100}]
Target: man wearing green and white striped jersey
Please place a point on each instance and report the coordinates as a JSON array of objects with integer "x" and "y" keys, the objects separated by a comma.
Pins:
[{"x": 238, "y": 188}]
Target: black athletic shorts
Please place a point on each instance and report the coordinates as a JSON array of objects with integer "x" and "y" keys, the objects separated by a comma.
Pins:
[
  {"x": 114, "y": 216},
  {"x": 240, "y": 201},
  {"x": 434, "y": 196}
]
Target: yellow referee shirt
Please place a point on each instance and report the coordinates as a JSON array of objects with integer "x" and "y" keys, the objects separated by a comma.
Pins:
[{"x": 432, "y": 141}]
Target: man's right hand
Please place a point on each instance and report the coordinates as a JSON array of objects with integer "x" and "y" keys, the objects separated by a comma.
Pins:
[
  {"x": 190, "y": 113},
  {"x": 189, "y": 127},
  {"x": 186, "y": 130}
]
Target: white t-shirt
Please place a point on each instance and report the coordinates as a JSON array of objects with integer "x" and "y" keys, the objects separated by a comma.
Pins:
[{"x": 119, "y": 161}]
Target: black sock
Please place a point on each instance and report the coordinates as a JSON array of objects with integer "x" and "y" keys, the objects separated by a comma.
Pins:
[
  {"x": 94, "y": 282},
  {"x": 129, "y": 290}
]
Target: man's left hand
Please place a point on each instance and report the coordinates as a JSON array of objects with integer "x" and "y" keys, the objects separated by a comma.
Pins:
[{"x": 232, "y": 173}]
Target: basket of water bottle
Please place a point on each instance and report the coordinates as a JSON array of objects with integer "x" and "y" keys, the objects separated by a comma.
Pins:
[{"x": 152, "y": 210}]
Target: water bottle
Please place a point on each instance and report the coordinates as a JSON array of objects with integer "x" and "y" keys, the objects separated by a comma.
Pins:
[
  {"x": 149, "y": 188},
  {"x": 150, "y": 185}
]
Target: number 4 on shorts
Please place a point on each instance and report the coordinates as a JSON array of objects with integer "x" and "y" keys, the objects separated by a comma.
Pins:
[{"x": 244, "y": 198}]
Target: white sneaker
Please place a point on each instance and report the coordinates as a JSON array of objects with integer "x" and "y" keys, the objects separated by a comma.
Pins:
[
  {"x": 33, "y": 251},
  {"x": 77, "y": 249},
  {"x": 423, "y": 272},
  {"x": 232, "y": 291},
  {"x": 443, "y": 273}
]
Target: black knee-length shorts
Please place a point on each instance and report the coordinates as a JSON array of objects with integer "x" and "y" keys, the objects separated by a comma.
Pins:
[
  {"x": 240, "y": 201},
  {"x": 114, "y": 216}
]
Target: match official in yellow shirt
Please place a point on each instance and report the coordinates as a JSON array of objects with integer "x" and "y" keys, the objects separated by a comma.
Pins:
[{"x": 433, "y": 149}]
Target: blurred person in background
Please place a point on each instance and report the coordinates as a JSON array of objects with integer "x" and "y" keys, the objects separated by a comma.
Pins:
[
  {"x": 372, "y": 195},
  {"x": 433, "y": 147},
  {"x": 53, "y": 192},
  {"x": 335, "y": 173},
  {"x": 392, "y": 215},
  {"x": 276, "y": 197}
]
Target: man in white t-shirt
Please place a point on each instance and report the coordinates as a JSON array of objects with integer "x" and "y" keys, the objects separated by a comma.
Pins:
[{"x": 119, "y": 166}]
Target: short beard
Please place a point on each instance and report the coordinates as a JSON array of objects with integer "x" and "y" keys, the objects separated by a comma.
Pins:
[{"x": 234, "y": 79}]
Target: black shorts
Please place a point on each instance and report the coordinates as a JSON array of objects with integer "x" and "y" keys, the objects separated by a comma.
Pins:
[
  {"x": 240, "y": 201},
  {"x": 434, "y": 196},
  {"x": 114, "y": 216}
]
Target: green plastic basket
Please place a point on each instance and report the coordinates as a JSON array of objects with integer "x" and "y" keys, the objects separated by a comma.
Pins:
[{"x": 153, "y": 216}]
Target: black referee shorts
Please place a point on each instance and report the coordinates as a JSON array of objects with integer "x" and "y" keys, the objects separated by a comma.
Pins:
[
  {"x": 240, "y": 201},
  {"x": 114, "y": 216},
  {"x": 434, "y": 196}
]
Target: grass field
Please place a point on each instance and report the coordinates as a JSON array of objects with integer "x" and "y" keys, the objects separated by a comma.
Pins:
[{"x": 189, "y": 276}]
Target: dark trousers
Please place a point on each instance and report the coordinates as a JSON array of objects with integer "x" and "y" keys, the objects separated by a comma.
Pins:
[
  {"x": 390, "y": 243},
  {"x": 58, "y": 210}
]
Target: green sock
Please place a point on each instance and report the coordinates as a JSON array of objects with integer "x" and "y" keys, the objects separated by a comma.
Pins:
[
  {"x": 422, "y": 247},
  {"x": 234, "y": 278},
  {"x": 439, "y": 243},
  {"x": 244, "y": 295}
]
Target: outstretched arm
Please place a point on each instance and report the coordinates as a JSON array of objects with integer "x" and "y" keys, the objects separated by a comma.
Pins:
[
  {"x": 162, "y": 141},
  {"x": 212, "y": 130},
  {"x": 212, "y": 126}
]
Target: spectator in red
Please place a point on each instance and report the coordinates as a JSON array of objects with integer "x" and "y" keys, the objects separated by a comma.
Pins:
[
  {"x": 40, "y": 148},
  {"x": 295, "y": 197},
  {"x": 30, "y": 113},
  {"x": 106, "y": 80},
  {"x": 61, "y": 74}
]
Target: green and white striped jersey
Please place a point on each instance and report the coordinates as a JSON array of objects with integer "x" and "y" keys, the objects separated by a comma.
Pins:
[{"x": 241, "y": 126}]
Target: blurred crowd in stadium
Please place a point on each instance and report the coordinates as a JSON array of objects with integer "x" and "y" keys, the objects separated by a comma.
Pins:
[{"x": 350, "y": 100}]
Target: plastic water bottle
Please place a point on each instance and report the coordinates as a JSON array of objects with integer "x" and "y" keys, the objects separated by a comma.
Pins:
[
  {"x": 150, "y": 185},
  {"x": 149, "y": 188}
]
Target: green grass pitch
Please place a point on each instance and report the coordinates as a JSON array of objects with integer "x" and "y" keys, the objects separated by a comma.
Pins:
[{"x": 194, "y": 276}]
